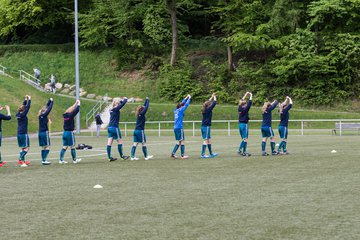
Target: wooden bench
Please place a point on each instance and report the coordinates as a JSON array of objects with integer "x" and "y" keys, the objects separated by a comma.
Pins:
[{"x": 346, "y": 126}]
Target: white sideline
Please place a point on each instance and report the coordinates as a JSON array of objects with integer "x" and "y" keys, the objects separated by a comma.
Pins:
[{"x": 78, "y": 155}]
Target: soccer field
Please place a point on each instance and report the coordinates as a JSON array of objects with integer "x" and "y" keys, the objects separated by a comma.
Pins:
[{"x": 309, "y": 194}]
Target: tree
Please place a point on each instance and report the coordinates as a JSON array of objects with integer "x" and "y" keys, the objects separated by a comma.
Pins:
[{"x": 171, "y": 4}]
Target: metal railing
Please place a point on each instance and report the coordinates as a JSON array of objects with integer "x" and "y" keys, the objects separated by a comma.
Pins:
[
  {"x": 3, "y": 70},
  {"x": 24, "y": 76},
  {"x": 90, "y": 116},
  {"x": 230, "y": 127}
]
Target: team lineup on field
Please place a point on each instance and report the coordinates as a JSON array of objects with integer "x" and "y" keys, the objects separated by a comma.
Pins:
[{"x": 114, "y": 133}]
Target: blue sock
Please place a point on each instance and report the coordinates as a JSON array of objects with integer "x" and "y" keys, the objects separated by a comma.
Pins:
[
  {"x": 244, "y": 147},
  {"x": 272, "y": 145},
  {"x": 144, "y": 148},
  {"x": 182, "y": 149},
  {"x": 22, "y": 155},
  {"x": 241, "y": 146},
  {"x": 203, "y": 149},
  {"x": 62, "y": 153},
  {"x": 210, "y": 150},
  {"x": 175, "y": 149},
  {"x": 108, "y": 150},
  {"x": 73, "y": 154},
  {"x": 133, "y": 150},
  {"x": 263, "y": 146},
  {"x": 280, "y": 145},
  {"x": 120, "y": 150},
  {"x": 284, "y": 146},
  {"x": 46, "y": 154},
  {"x": 43, "y": 155}
]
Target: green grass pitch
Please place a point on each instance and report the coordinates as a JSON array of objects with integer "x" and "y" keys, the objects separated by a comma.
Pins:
[{"x": 309, "y": 194}]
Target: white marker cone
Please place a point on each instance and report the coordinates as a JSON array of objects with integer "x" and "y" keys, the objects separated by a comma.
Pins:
[
  {"x": 333, "y": 151},
  {"x": 98, "y": 186}
]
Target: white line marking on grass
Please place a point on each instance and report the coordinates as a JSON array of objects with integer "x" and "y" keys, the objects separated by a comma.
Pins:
[{"x": 79, "y": 151}]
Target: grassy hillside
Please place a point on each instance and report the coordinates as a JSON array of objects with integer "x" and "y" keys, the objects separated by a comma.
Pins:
[
  {"x": 12, "y": 92},
  {"x": 98, "y": 75},
  {"x": 97, "y": 71}
]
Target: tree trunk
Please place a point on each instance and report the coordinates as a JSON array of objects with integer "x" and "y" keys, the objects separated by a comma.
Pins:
[
  {"x": 230, "y": 58},
  {"x": 172, "y": 9}
]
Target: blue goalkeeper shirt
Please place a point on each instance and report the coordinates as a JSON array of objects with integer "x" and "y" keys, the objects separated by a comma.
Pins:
[{"x": 179, "y": 114}]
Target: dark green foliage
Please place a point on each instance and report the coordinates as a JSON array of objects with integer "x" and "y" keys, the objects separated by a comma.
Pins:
[
  {"x": 308, "y": 49},
  {"x": 177, "y": 82},
  {"x": 69, "y": 47}
]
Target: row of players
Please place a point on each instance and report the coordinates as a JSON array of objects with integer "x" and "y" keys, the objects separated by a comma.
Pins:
[{"x": 114, "y": 133}]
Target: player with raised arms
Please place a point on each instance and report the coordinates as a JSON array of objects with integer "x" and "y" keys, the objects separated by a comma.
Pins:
[
  {"x": 283, "y": 126},
  {"x": 206, "y": 111},
  {"x": 179, "y": 128},
  {"x": 266, "y": 129},
  {"x": 68, "y": 138},
  {"x": 22, "y": 131},
  {"x": 114, "y": 131},
  {"x": 6, "y": 117},
  {"x": 243, "y": 112},
  {"x": 139, "y": 133},
  {"x": 43, "y": 135}
]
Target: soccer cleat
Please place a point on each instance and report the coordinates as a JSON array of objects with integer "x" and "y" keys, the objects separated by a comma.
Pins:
[
  {"x": 173, "y": 156},
  {"x": 2, "y": 163},
  {"x": 134, "y": 159},
  {"x": 246, "y": 154},
  {"x": 45, "y": 163},
  {"x": 239, "y": 152},
  {"x": 274, "y": 153},
  {"x": 123, "y": 158},
  {"x": 184, "y": 157},
  {"x": 20, "y": 162},
  {"x": 23, "y": 165},
  {"x": 76, "y": 160},
  {"x": 265, "y": 154},
  {"x": 285, "y": 153},
  {"x": 111, "y": 159},
  {"x": 149, "y": 157},
  {"x": 62, "y": 162},
  {"x": 205, "y": 156},
  {"x": 214, "y": 155}
]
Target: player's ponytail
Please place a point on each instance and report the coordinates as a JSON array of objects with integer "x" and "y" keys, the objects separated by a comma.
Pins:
[
  {"x": 138, "y": 110},
  {"x": 242, "y": 102},
  {"x": 205, "y": 106},
  {"x": 42, "y": 110},
  {"x": 265, "y": 107}
]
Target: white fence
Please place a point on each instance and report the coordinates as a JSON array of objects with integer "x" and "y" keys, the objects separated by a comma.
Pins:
[
  {"x": 90, "y": 116},
  {"x": 24, "y": 76},
  {"x": 230, "y": 127}
]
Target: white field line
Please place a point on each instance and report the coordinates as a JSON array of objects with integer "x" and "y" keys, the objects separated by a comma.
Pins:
[{"x": 79, "y": 151}]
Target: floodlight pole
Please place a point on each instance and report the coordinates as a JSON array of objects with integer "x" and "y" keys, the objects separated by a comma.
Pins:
[{"x": 77, "y": 85}]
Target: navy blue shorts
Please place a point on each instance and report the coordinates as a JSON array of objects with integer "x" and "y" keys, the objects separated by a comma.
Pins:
[
  {"x": 68, "y": 139},
  {"x": 44, "y": 139},
  {"x": 179, "y": 134}
]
